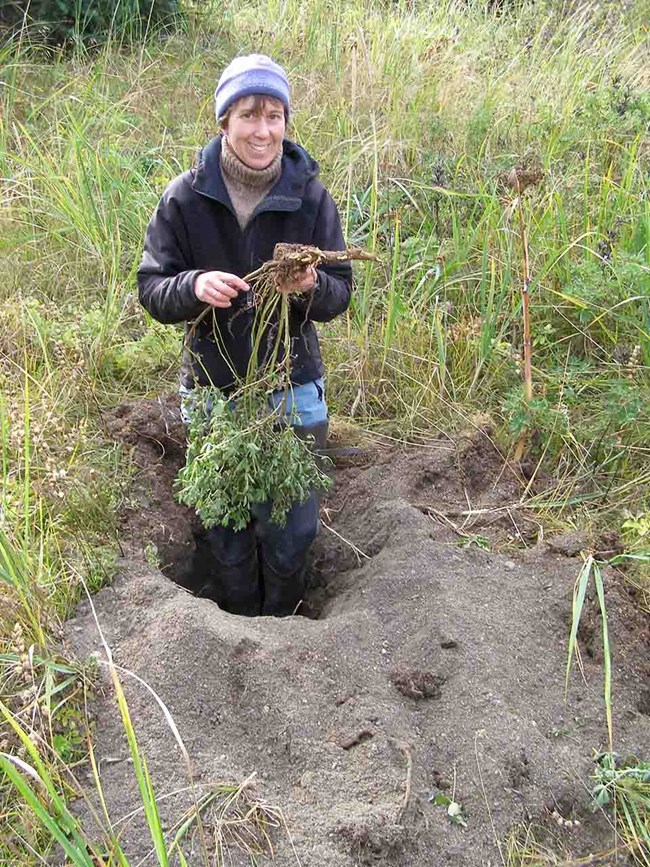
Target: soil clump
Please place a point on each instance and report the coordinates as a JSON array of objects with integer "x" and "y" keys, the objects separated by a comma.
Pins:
[{"x": 433, "y": 665}]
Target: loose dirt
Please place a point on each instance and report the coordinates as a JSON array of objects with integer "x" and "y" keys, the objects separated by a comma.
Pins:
[{"x": 429, "y": 664}]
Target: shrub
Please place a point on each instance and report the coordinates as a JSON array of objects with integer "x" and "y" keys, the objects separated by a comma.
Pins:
[{"x": 88, "y": 21}]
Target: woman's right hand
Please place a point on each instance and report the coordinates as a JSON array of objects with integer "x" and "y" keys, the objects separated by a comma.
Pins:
[{"x": 218, "y": 288}]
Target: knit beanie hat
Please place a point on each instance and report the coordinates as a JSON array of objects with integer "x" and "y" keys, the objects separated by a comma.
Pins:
[{"x": 248, "y": 75}]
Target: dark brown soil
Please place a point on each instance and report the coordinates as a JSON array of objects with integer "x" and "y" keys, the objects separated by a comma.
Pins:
[{"x": 435, "y": 664}]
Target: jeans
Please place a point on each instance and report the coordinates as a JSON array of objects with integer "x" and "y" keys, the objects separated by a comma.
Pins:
[{"x": 260, "y": 569}]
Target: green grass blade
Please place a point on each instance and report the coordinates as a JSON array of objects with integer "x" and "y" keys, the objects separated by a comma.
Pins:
[
  {"x": 15, "y": 572},
  {"x": 635, "y": 829},
  {"x": 116, "y": 849},
  {"x": 393, "y": 302},
  {"x": 578, "y": 601},
  {"x": 607, "y": 655},
  {"x": 78, "y": 855},
  {"x": 68, "y": 824},
  {"x": 145, "y": 785}
]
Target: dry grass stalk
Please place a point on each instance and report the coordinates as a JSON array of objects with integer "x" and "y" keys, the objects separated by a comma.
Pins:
[
  {"x": 519, "y": 179},
  {"x": 234, "y": 818}
]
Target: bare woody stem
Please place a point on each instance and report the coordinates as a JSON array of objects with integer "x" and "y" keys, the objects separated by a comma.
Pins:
[
  {"x": 525, "y": 309},
  {"x": 525, "y": 300}
]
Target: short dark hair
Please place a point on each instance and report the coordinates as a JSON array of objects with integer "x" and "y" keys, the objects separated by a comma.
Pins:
[{"x": 259, "y": 101}]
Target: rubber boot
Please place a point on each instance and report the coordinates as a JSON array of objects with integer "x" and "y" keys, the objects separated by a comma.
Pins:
[
  {"x": 231, "y": 573},
  {"x": 235, "y": 589},
  {"x": 317, "y": 435},
  {"x": 286, "y": 547},
  {"x": 283, "y": 554},
  {"x": 282, "y": 593}
]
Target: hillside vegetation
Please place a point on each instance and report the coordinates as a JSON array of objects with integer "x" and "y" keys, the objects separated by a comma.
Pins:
[{"x": 417, "y": 113}]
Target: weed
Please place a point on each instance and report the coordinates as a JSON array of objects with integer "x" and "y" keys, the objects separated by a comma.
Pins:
[
  {"x": 591, "y": 569},
  {"x": 238, "y": 458},
  {"x": 151, "y": 555},
  {"x": 241, "y": 451},
  {"x": 454, "y": 809},
  {"x": 478, "y": 541},
  {"x": 624, "y": 785}
]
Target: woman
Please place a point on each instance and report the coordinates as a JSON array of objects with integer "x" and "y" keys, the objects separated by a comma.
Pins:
[{"x": 249, "y": 188}]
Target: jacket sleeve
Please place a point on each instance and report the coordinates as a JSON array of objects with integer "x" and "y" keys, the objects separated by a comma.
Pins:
[
  {"x": 333, "y": 291},
  {"x": 165, "y": 276}
]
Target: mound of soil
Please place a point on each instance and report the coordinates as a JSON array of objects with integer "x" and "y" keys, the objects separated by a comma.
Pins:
[{"x": 434, "y": 665}]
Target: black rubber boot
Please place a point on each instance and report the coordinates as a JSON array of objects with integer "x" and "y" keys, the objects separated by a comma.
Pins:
[
  {"x": 230, "y": 571},
  {"x": 282, "y": 593},
  {"x": 235, "y": 589},
  {"x": 286, "y": 547},
  {"x": 317, "y": 435}
]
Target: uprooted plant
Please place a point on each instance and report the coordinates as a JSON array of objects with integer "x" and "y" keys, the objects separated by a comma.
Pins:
[{"x": 242, "y": 449}]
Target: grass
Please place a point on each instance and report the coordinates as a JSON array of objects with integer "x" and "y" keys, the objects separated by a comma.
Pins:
[
  {"x": 591, "y": 570},
  {"x": 622, "y": 784},
  {"x": 416, "y": 114}
]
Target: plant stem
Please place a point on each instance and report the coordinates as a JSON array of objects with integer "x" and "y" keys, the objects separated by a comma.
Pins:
[{"x": 525, "y": 309}]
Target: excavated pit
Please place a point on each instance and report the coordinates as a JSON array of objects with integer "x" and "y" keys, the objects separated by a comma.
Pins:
[
  {"x": 190, "y": 568},
  {"x": 435, "y": 480},
  {"x": 170, "y": 536},
  {"x": 436, "y": 665}
]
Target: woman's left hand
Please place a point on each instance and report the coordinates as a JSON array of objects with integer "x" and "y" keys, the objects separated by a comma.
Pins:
[{"x": 304, "y": 282}]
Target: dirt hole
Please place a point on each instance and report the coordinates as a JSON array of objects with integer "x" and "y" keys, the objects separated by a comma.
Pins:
[
  {"x": 379, "y": 492},
  {"x": 189, "y": 565}
]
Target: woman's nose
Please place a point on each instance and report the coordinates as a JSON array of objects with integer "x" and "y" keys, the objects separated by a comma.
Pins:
[{"x": 262, "y": 127}]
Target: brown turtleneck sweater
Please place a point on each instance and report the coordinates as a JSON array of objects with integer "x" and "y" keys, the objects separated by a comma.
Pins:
[{"x": 246, "y": 186}]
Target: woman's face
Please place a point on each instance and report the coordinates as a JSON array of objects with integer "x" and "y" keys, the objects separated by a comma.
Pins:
[{"x": 255, "y": 130}]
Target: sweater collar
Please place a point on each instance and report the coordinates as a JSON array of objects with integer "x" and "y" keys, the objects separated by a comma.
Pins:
[
  {"x": 286, "y": 194},
  {"x": 235, "y": 170}
]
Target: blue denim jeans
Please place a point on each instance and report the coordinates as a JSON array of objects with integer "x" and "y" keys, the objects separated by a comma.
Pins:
[
  {"x": 304, "y": 404},
  {"x": 260, "y": 569}
]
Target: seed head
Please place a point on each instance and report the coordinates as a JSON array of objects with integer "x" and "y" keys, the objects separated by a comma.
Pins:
[{"x": 520, "y": 177}]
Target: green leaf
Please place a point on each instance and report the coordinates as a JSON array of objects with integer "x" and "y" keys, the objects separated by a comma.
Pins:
[{"x": 455, "y": 813}]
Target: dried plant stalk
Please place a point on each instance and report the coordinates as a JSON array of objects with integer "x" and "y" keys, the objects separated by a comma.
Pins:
[{"x": 519, "y": 179}]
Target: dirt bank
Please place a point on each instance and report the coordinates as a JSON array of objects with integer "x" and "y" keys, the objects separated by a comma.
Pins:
[{"x": 434, "y": 664}]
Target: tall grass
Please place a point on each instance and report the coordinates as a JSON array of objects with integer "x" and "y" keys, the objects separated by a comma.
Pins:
[
  {"x": 623, "y": 784},
  {"x": 416, "y": 113},
  {"x": 591, "y": 569}
]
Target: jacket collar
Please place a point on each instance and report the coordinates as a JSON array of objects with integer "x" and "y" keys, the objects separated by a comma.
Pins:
[{"x": 286, "y": 194}]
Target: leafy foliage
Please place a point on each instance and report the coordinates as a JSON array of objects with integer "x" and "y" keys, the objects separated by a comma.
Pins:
[
  {"x": 624, "y": 784},
  {"x": 618, "y": 106},
  {"x": 241, "y": 455},
  {"x": 454, "y": 810}
]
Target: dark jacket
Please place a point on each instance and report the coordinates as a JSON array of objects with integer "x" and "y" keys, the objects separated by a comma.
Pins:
[{"x": 194, "y": 229}]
